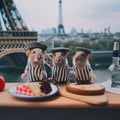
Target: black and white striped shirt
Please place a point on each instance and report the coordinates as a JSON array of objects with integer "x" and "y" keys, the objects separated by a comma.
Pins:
[
  {"x": 83, "y": 74},
  {"x": 60, "y": 74},
  {"x": 34, "y": 72}
]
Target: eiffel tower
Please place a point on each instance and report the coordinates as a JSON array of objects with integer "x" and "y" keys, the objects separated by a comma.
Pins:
[
  {"x": 17, "y": 36},
  {"x": 61, "y": 30}
]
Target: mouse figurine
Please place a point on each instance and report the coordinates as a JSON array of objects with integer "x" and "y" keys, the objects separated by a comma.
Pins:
[
  {"x": 83, "y": 72},
  {"x": 60, "y": 68},
  {"x": 35, "y": 68}
]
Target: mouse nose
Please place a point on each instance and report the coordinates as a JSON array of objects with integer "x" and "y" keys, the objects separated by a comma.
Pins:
[
  {"x": 59, "y": 58},
  {"x": 38, "y": 57}
]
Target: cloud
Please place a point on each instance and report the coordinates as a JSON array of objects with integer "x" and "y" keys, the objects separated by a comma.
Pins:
[{"x": 42, "y": 14}]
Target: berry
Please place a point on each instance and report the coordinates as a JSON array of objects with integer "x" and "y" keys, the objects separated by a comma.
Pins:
[{"x": 2, "y": 83}]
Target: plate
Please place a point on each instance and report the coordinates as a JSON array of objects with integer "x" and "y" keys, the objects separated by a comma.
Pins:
[
  {"x": 12, "y": 91},
  {"x": 107, "y": 85}
]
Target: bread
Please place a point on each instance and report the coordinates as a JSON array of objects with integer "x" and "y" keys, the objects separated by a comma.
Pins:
[{"x": 85, "y": 89}]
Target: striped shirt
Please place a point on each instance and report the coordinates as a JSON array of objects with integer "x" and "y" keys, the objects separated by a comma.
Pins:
[
  {"x": 60, "y": 74},
  {"x": 34, "y": 72},
  {"x": 83, "y": 74}
]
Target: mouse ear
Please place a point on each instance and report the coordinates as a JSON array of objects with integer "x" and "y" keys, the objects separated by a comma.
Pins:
[
  {"x": 89, "y": 56},
  {"x": 27, "y": 52},
  {"x": 67, "y": 54}
]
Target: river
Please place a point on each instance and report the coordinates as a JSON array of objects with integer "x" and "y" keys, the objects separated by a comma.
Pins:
[{"x": 13, "y": 75}]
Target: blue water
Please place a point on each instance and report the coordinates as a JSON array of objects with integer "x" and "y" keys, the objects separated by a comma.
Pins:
[
  {"x": 11, "y": 75},
  {"x": 15, "y": 75}
]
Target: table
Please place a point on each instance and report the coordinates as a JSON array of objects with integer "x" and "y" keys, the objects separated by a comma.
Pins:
[
  {"x": 55, "y": 106},
  {"x": 6, "y": 100}
]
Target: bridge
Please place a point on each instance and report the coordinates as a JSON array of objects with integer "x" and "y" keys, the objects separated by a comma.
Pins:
[
  {"x": 16, "y": 36},
  {"x": 15, "y": 41}
]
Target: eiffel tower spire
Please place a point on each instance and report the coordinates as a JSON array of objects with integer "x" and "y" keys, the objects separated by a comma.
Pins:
[{"x": 61, "y": 30}]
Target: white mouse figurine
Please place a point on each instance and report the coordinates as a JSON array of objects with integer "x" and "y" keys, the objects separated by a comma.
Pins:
[
  {"x": 60, "y": 69},
  {"x": 35, "y": 68},
  {"x": 82, "y": 70}
]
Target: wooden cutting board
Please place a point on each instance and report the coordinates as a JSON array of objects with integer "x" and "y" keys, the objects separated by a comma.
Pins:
[{"x": 90, "y": 99}]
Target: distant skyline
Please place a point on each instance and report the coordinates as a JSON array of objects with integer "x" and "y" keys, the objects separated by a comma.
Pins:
[{"x": 88, "y": 14}]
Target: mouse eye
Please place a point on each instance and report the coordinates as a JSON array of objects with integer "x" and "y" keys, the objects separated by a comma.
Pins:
[
  {"x": 54, "y": 54},
  {"x": 83, "y": 55},
  {"x": 63, "y": 54},
  {"x": 34, "y": 52}
]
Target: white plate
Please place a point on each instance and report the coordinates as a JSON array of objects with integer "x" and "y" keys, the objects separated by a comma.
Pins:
[
  {"x": 107, "y": 85},
  {"x": 12, "y": 91}
]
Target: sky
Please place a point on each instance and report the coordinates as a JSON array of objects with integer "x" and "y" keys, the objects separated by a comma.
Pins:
[{"x": 94, "y": 15}]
